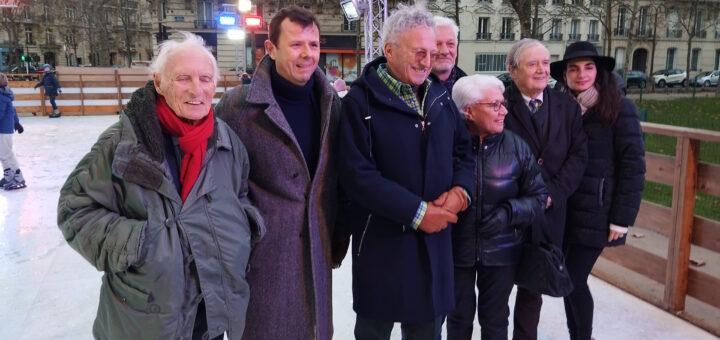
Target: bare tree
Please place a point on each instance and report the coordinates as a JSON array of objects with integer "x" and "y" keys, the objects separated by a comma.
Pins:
[
  {"x": 600, "y": 10},
  {"x": 128, "y": 15},
  {"x": 694, "y": 17},
  {"x": 11, "y": 23}
]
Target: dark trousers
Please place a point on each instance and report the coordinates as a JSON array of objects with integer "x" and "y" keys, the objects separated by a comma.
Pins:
[
  {"x": 368, "y": 329},
  {"x": 526, "y": 315},
  {"x": 52, "y": 102},
  {"x": 579, "y": 304},
  {"x": 494, "y": 285}
]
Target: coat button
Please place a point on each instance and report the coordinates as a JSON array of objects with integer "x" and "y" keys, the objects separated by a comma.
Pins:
[
  {"x": 168, "y": 222},
  {"x": 416, "y": 126},
  {"x": 219, "y": 328},
  {"x": 295, "y": 175},
  {"x": 540, "y": 161},
  {"x": 154, "y": 308}
]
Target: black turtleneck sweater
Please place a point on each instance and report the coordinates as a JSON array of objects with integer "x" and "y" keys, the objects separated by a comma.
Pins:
[{"x": 299, "y": 105}]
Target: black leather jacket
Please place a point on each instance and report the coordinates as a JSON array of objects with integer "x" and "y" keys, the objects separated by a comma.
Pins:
[{"x": 505, "y": 173}]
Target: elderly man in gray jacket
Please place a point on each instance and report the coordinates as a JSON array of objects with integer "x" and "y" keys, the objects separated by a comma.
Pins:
[
  {"x": 287, "y": 117},
  {"x": 160, "y": 205}
]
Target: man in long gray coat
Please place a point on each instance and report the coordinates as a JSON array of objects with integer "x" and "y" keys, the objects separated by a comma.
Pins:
[{"x": 287, "y": 118}]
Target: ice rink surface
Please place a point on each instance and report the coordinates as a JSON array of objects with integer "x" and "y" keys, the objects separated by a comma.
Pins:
[{"x": 48, "y": 291}]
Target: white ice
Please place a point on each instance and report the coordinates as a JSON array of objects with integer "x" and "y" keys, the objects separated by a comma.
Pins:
[{"x": 48, "y": 291}]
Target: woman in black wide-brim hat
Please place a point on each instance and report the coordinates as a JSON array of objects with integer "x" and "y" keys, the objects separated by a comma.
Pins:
[{"x": 608, "y": 198}]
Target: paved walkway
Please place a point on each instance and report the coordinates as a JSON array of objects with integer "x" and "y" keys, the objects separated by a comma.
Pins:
[{"x": 47, "y": 291}]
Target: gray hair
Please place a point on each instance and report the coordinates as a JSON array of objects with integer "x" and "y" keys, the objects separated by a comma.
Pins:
[
  {"x": 188, "y": 42},
  {"x": 517, "y": 49},
  {"x": 471, "y": 89},
  {"x": 446, "y": 22},
  {"x": 404, "y": 19}
]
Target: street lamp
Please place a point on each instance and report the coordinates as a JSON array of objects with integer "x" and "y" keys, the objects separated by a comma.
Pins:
[
  {"x": 244, "y": 6},
  {"x": 351, "y": 9}
]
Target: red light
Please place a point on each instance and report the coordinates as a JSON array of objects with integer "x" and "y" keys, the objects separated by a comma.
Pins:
[{"x": 253, "y": 22}]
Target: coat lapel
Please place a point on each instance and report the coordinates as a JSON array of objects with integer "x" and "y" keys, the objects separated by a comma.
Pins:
[{"x": 521, "y": 113}]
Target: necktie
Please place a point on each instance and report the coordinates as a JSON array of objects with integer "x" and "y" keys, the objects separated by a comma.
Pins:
[{"x": 534, "y": 105}]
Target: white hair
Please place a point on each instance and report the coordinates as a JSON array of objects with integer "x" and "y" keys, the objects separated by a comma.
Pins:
[
  {"x": 471, "y": 89},
  {"x": 189, "y": 42},
  {"x": 446, "y": 22},
  {"x": 517, "y": 49},
  {"x": 404, "y": 19}
]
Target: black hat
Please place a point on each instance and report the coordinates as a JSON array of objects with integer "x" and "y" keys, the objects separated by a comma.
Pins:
[{"x": 580, "y": 49}]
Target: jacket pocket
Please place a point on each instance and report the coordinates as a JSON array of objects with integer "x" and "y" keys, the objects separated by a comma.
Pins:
[
  {"x": 127, "y": 295},
  {"x": 601, "y": 192}
]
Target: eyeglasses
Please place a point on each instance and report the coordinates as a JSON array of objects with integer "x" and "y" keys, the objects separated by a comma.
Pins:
[{"x": 495, "y": 105}]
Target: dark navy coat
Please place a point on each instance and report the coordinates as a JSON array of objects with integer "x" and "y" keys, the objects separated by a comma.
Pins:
[
  {"x": 387, "y": 165},
  {"x": 50, "y": 83},
  {"x": 561, "y": 153},
  {"x": 611, "y": 188}
]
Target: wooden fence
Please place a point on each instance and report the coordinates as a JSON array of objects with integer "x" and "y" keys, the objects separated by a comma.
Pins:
[
  {"x": 92, "y": 91},
  {"x": 680, "y": 229}
]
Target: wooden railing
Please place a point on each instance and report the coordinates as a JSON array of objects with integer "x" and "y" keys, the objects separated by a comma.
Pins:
[
  {"x": 93, "y": 91},
  {"x": 683, "y": 230}
]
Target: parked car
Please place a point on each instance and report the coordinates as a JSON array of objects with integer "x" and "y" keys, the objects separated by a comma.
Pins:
[
  {"x": 505, "y": 79},
  {"x": 707, "y": 79},
  {"x": 637, "y": 79},
  {"x": 670, "y": 77}
]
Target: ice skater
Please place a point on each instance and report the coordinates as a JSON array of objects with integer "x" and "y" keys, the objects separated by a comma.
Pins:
[
  {"x": 52, "y": 88},
  {"x": 9, "y": 123}
]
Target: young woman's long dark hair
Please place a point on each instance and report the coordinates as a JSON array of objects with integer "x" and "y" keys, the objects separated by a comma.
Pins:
[{"x": 609, "y": 96}]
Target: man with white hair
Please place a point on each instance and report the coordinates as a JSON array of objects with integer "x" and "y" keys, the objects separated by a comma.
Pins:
[
  {"x": 404, "y": 162},
  {"x": 160, "y": 206},
  {"x": 507, "y": 196},
  {"x": 444, "y": 69},
  {"x": 551, "y": 124}
]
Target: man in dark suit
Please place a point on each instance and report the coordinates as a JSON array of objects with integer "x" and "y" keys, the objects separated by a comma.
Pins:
[{"x": 550, "y": 122}]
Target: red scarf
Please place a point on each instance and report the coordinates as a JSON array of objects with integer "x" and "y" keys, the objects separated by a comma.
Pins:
[{"x": 193, "y": 140}]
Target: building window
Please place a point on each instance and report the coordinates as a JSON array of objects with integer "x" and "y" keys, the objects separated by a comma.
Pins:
[
  {"x": 349, "y": 25},
  {"x": 717, "y": 59},
  {"x": 673, "y": 25},
  {"x": 574, "y": 30},
  {"x": 695, "y": 57},
  {"x": 492, "y": 62},
  {"x": 619, "y": 57},
  {"x": 670, "y": 59},
  {"x": 593, "y": 31},
  {"x": 70, "y": 13},
  {"x": 29, "y": 39},
  {"x": 644, "y": 22},
  {"x": 205, "y": 11},
  {"x": 49, "y": 38},
  {"x": 507, "y": 29},
  {"x": 595, "y": 3},
  {"x": 621, "y": 28},
  {"x": 482, "y": 32},
  {"x": 577, "y": 2},
  {"x": 558, "y": 2},
  {"x": 556, "y": 30}
]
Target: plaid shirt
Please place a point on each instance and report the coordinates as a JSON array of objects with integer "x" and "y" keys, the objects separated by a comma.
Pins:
[{"x": 403, "y": 90}]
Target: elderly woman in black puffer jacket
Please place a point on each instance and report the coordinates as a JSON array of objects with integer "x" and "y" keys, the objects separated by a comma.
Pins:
[
  {"x": 509, "y": 194},
  {"x": 608, "y": 198}
]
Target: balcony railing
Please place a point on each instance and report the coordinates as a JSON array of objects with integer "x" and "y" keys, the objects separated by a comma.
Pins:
[
  {"x": 540, "y": 37},
  {"x": 593, "y": 37},
  {"x": 620, "y": 32},
  {"x": 483, "y": 36},
  {"x": 674, "y": 33},
  {"x": 643, "y": 33},
  {"x": 207, "y": 24},
  {"x": 507, "y": 36},
  {"x": 573, "y": 36},
  {"x": 717, "y": 35},
  {"x": 556, "y": 36}
]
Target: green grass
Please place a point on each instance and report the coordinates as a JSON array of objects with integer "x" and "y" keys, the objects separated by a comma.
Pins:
[{"x": 701, "y": 113}]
